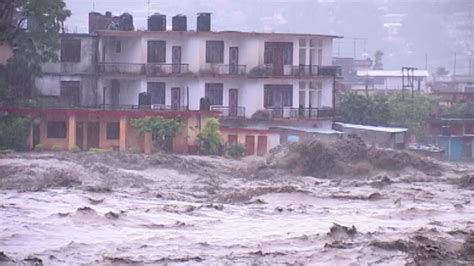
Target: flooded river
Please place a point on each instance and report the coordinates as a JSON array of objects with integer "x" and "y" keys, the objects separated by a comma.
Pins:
[{"x": 71, "y": 209}]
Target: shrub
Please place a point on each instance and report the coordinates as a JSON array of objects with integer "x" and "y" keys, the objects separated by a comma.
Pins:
[
  {"x": 75, "y": 148},
  {"x": 134, "y": 150},
  {"x": 163, "y": 129},
  {"x": 236, "y": 150},
  {"x": 39, "y": 147},
  {"x": 261, "y": 115},
  {"x": 98, "y": 150},
  {"x": 56, "y": 148},
  {"x": 210, "y": 138},
  {"x": 14, "y": 131}
]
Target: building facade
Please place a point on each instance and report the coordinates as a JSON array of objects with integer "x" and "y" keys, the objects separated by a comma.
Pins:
[
  {"x": 244, "y": 76},
  {"x": 390, "y": 81}
]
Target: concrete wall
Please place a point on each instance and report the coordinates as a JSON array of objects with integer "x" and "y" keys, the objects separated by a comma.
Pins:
[
  {"x": 273, "y": 139},
  {"x": 5, "y": 53}
]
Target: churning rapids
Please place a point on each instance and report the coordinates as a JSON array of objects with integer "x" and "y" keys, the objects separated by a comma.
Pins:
[{"x": 111, "y": 208}]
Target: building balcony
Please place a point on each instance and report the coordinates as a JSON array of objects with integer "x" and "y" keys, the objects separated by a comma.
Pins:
[
  {"x": 230, "y": 111},
  {"x": 301, "y": 71},
  {"x": 166, "y": 70},
  {"x": 293, "y": 113},
  {"x": 122, "y": 68}
]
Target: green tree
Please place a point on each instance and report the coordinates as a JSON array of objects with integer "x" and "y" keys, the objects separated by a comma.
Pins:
[
  {"x": 378, "y": 59},
  {"x": 412, "y": 112},
  {"x": 163, "y": 129},
  {"x": 359, "y": 109},
  {"x": 464, "y": 108},
  {"x": 210, "y": 138},
  {"x": 441, "y": 72},
  {"x": 14, "y": 131},
  {"x": 33, "y": 46}
]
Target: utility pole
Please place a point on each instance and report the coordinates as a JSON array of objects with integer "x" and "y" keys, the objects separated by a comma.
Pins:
[
  {"x": 454, "y": 67},
  {"x": 409, "y": 73},
  {"x": 426, "y": 61}
]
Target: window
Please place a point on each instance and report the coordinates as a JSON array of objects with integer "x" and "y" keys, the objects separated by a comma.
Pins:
[
  {"x": 278, "y": 96},
  {"x": 118, "y": 46},
  {"x": 156, "y": 51},
  {"x": 302, "y": 98},
  {"x": 113, "y": 130},
  {"x": 70, "y": 50},
  {"x": 302, "y": 42},
  {"x": 214, "y": 51},
  {"x": 214, "y": 92},
  {"x": 285, "y": 47},
  {"x": 70, "y": 93},
  {"x": 157, "y": 91},
  {"x": 57, "y": 129}
]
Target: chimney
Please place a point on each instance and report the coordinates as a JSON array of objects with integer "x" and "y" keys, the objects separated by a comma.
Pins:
[
  {"x": 179, "y": 23},
  {"x": 204, "y": 22}
]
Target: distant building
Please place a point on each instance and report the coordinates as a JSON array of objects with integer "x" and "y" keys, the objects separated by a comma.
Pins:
[
  {"x": 389, "y": 81},
  {"x": 349, "y": 68},
  {"x": 454, "y": 89},
  {"x": 378, "y": 136}
]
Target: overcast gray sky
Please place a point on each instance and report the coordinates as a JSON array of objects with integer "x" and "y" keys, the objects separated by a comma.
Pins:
[{"x": 407, "y": 31}]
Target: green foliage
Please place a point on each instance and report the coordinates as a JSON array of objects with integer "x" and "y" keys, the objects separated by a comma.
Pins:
[
  {"x": 39, "y": 147},
  {"x": 98, "y": 150},
  {"x": 161, "y": 128},
  {"x": 56, "y": 148},
  {"x": 33, "y": 46},
  {"x": 441, "y": 71},
  {"x": 465, "y": 108},
  {"x": 412, "y": 112},
  {"x": 210, "y": 138},
  {"x": 359, "y": 109},
  {"x": 14, "y": 132},
  {"x": 378, "y": 58},
  {"x": 236, "y": 150},
  {"x": 75, "y": 149},
  {"x": 409, "y": 112}
]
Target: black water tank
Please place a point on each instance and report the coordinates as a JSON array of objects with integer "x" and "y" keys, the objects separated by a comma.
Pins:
[
  {"x": 179, "y": 23},
  {"x": 204, "y": 104},
  {"x": 126, "y": 22},
  {"x": 204, "y": 22},
  {"x": 144, "y": 100},
  {"x": 157, "y": 22}
]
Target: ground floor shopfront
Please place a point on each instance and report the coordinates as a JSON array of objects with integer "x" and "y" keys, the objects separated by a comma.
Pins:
[{"x": 67, "y": 129}]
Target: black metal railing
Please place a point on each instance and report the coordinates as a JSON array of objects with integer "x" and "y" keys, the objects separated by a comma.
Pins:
[
  {"x": 164, "y": 70},
  {"x": 220, "y": 69},
  {"x": 121, "y": 68},
  {"x": 268, "y": 71},
  {"x": 312, "y": 113},
  {"x": 230, "y": 111},
  {"x": 57, "y": 104},
  {"x": 295, "y": 113}
]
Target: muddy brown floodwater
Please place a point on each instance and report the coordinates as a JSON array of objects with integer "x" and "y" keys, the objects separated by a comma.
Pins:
[{"x": 65, "y": 208}]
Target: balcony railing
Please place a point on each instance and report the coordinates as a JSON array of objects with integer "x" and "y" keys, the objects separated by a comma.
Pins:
[
  {"x": 57, "y": 104},
  {"x": 121, "y": 68},
  {"x": 269, "y": 71},
  {"x": 294, "y": 113},
  {"x": 165, "y": 70},
  {"x": 230, "y": 111},
  {"x": 220, "y": 69}
]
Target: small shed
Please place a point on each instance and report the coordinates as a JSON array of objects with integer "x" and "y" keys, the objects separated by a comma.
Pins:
[
  {"x": 382, "y": 137},
  {"x": 296, "y": 134}
]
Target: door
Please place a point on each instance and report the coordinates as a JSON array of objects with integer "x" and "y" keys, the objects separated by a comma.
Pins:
[
  {"x": 262, "y": 145},
  {"x": 233, "y": 102},
  {"x": 277, "y": 103},
  {"x": 80, "y": 135},
  {"x": 175, "y": 98},
  {"x": 250, "y": 145},
  {"x": 176, "y": 59},
  {"x": 36, "y": 135},
  {"x": 278, "y": 63},
  {"x": 93, "y": 130},
  {"x": 115, "y": 94},
  {"x": 234, "y": 60}
]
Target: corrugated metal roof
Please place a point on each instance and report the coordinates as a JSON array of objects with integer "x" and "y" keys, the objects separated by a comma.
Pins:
[
  {"x": 311, "y": 130},
  {"x": 373, "y": 128},
  {"x": 390, "y": 73}
]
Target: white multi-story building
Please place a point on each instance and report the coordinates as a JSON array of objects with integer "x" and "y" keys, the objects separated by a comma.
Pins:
[{"x": 242, "y": 74}]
